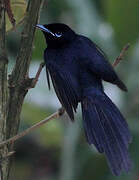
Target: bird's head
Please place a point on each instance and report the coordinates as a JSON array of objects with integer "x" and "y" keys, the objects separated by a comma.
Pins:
[{"x": 57, "y": 34}]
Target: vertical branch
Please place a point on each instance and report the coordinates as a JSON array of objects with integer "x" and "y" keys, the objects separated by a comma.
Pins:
[
  {"x": 20, "y": 71},
  {"x": 3, "y": 91},
  {"x": 19, "y": 75},
  {"x": 11, "y": 99}
]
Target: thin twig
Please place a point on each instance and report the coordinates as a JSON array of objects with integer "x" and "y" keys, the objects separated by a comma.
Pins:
[
  {"x": 29, "y": 83},
  {"x": 34, "y": 82},
  {"x": 122, "y": 54},
  {"x": 9, "y": 12},
  {"x": 7, "y": 155},
  {"x": 57, "y": 114}
]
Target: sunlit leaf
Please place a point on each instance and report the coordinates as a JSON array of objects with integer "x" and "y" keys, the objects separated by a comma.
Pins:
[{"x": 18, "y": 8}]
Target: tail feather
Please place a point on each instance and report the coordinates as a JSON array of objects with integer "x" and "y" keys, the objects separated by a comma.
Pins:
[
  {"x": 118, "y": 121},
  {"x": 121, "y": 85},
  {"x": 92, "y": 136},
  {"x": 108, "y": 138},
  {"x": 107, "y": 129},
  {"x": 121, "y": 150}
]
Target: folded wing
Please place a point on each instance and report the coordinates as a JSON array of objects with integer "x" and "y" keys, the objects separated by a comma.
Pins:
[
  {"x": 96, "y": 62},
  {"x": 66, "y": 92}
]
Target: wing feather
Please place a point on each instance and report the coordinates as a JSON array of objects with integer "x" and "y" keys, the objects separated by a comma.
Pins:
[
  {"x": 96, "y": 62},
  {"x": 66, "y": 93}
]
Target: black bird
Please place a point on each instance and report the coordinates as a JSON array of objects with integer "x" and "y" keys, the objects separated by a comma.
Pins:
[{"x": 77, "y": 67}]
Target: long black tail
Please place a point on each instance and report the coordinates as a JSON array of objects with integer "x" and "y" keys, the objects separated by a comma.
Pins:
[{"x": 106, "y": 128}]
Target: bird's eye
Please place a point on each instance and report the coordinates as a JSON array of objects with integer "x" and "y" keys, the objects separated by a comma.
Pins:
[{"x": 58, "y": 34}]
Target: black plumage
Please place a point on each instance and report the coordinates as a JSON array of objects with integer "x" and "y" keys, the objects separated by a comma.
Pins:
[{"x": 77, "y": 67}]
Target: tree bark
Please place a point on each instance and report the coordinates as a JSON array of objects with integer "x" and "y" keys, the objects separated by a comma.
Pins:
[{"x": 3, "y": 93}]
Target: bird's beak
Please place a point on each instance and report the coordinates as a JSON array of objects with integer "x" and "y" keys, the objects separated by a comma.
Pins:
[{"x": 43, "y": 28}]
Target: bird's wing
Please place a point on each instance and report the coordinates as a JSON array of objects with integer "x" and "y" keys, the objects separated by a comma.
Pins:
[
  {"x": 95, "y": 61},
  {"x": 48, "y": 78},
  {"x": 66, "y": 93}
]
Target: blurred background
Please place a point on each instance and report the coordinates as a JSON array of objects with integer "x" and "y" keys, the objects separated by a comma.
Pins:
[{"x": 58, "y": 150}]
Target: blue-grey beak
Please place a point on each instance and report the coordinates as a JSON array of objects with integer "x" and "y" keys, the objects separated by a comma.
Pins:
[{"x": 43, "y": 28}]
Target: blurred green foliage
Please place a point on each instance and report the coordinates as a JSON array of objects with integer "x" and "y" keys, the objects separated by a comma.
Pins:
[
  {"x": 58, "y": 150},
  {"x": 39, "y": 47},
  {"x": 52, "y": 130},
  {"x": 123, "y": 17}
]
